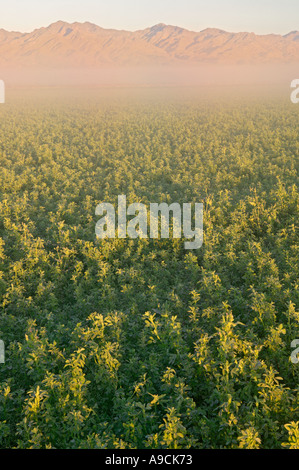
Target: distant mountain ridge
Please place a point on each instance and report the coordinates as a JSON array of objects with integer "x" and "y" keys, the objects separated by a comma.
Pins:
[{"x": 65, "y": 44}]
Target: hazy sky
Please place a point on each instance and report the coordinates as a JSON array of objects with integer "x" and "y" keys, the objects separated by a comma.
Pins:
[{"x": 260, "y": 16}]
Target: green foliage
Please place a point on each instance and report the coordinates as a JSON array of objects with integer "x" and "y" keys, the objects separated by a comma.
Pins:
[{"x": 139, "y": 343}]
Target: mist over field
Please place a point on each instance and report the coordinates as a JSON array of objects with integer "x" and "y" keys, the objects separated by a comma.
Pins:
[{"x": 197, "y": 76}]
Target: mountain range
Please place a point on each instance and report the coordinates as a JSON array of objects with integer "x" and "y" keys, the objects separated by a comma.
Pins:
[{"x": 78, "y": 45}]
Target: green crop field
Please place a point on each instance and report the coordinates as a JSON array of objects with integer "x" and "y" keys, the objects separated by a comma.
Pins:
[{"x": 125, "y": 344}]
